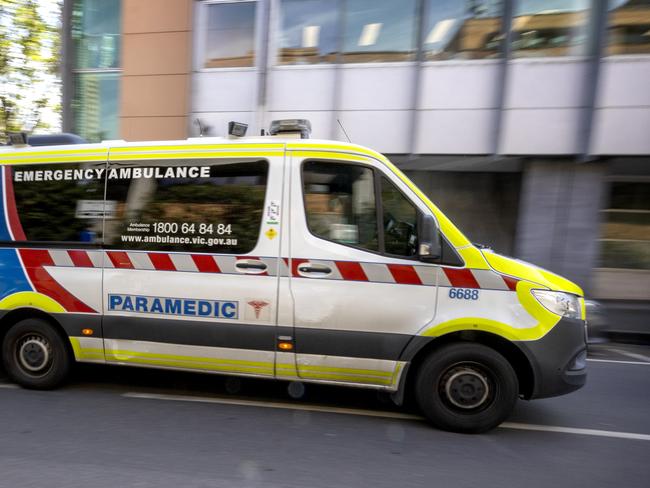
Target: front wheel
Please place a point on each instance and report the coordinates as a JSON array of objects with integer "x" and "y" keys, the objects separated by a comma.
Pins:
[
  {"x": 34, "y": 355},
  {"x": 466, "y": 387}
]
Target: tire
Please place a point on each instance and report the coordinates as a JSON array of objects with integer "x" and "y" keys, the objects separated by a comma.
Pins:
[
  {"x": 34, "y": 355},
  {"x": 466, "y": 387}
]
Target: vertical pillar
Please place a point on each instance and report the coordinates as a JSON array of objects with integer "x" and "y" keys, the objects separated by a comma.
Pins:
[
  {"x": 156, "y": 69},
  {"x": 559, "y": 217}
]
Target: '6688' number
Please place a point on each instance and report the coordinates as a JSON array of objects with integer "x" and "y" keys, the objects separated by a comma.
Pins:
[{"x": 463, "y": 293}]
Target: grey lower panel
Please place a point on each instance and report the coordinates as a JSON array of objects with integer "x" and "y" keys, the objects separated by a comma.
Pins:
[
  {"x": 553, "y": 359},
  {"x": 372, "y": 345}
]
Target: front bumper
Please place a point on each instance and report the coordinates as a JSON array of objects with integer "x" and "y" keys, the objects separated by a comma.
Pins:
[{"x": 558, "y": 359}]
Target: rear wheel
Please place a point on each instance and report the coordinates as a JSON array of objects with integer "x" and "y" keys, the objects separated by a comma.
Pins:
[
  {"x": 34, "y": 355},
  {"x": 466, "y": 387}
]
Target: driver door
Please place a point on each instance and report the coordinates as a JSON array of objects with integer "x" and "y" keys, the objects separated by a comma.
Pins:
[{"x": 359, "y": 291}]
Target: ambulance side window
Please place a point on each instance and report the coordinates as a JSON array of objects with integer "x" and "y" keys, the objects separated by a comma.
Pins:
[
  {"x": 400, "y": 219},
  {"x": 54, "y": 203},
  {"x": 340, "y": 203},
  {"x": 186, "y": 206}
]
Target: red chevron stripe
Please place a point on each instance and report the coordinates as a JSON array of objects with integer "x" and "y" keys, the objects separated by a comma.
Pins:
[
  {"x": 404, "y": 274},
  {"x": 205, "y": 263},
  {"x": 120, "y": 259},
  {"x": 351, "y": 271},
  {"x": 80, "y": 259},
  {"x": 161, "y": 261},
  {"x": 511, "y": 283},
  {"x": 34, "y": 261},
  {"x": 461, "y": 278}
]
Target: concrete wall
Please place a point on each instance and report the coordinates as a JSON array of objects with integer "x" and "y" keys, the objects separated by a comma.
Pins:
[{"x": 156, "y": 53}]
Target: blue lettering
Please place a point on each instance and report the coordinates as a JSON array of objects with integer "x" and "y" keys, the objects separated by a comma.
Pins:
[
  {"x": 173, "y": 306},
  {"x": 156, "y": 306},
  {"x": 128, "y": 303},
  {"x": 228, "y": 310},
  {"x": 189, "y": 307},
  {"x": 141, "y": 303},
  {"x": 114, "y": 301},
  {"x": 205, "y": 308}
]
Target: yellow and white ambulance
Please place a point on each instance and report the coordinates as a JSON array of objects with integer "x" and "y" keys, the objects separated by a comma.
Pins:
[{"x": 274, "y": 257}]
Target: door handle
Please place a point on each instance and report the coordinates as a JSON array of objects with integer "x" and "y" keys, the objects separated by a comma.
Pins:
[
  {"x": 253, "y": 266},
  {"x": 312, "y": 269}
]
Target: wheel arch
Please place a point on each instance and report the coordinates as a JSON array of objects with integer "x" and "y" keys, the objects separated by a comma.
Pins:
[
  {"x": 417, "y": 351},
  {"x": 12, "y": 317}
]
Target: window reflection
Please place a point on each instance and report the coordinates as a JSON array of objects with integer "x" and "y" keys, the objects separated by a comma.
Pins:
[
  {"x": 230, "y": 36},
  {"x": 629, "y": 27},
  {"x": 549, "y": 28},
  {"x": 310, "y": 31},
  {"x": 467, "y": 29},
  {"x": 379, "y": 31},
  {"x": 96, "y": 27},
  {"x": 95, "y": 105}
]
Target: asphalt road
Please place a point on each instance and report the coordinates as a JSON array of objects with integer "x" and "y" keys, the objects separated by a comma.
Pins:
[{"x": 114, "y": 427}]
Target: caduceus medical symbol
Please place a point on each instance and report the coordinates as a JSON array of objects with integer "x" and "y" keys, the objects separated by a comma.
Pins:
[{"x": 258, "y": 305}]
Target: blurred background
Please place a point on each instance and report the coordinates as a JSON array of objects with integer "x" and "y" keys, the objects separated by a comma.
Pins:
[{"x": 526, "y": 121}]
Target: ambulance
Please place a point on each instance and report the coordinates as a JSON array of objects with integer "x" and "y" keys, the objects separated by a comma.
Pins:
[{"x": 278, "y": 257}]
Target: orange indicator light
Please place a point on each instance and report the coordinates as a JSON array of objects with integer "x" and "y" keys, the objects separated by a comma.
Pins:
[
  {"x": 87, "y": 332},
  {"x": 285, "y": 346}
]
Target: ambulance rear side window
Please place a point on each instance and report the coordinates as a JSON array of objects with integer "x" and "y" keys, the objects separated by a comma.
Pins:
[
  {"x": 186, "y": 206},
  {"x": 54, "y": 203}
]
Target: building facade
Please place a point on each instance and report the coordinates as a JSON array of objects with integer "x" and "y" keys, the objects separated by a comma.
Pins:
[{"x": 527, "y": 121}]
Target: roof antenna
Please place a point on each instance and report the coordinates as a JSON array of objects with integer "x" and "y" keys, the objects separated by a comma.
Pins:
[{"x": 343, "y": 129}]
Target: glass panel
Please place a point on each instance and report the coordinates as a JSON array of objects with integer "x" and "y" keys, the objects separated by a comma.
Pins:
[
  {"x": 400, "y": 221},
  {"x": 462, "y": 29},
  {"x": 76, "y": 191},
  {"x": 625, "y": 231},
  {"x": 181, "y": 207},
  {"x": 96, "y": 28},
  {"x": 629, "y": 27},
  {"x": 95, "y": 106},
  {"x": 309, "y": 31},
  {"x": 549, "y": 28},
  {"x": 340, "y": 203},
  {"x": 230, "y": 38},
  {"x": 379, "y": 31}
]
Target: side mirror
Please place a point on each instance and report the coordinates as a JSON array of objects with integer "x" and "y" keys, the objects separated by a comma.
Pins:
[{"x": 429, "y": 240}]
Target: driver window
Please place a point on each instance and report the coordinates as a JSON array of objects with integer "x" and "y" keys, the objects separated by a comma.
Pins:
[
  {"x": 400, "y": 221},
  {"x": 340, "y": 203}
]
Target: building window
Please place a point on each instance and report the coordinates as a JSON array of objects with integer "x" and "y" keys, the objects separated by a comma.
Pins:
[
  {"x": 309, "y": 31},
  {"x": 539, "y": 30},
  {"x": 96, "y": 36},
  {"x": 379, "y": 31},
  {"x": 469, "y": 29},
  {"x": 95, "y": 106},
  {"x": 96, "y": 28},
  {"x": 628, "y": 27},
  {"x": 230, "y": 35},
  {"x": 625, "y": 241}
]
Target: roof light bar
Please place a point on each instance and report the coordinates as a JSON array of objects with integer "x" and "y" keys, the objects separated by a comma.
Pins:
[{"x": 303, "y": 126}]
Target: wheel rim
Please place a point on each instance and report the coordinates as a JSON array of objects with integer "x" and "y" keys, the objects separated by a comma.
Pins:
[
  {"x": 34, "y": 354},
  {"x": 467, "y": 387}
]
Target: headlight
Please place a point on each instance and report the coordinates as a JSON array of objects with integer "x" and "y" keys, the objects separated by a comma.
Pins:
[{"x": 563, "y": 304}]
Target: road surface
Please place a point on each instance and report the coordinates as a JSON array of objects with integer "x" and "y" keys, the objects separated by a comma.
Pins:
[{"x": 115, "y": 427}]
